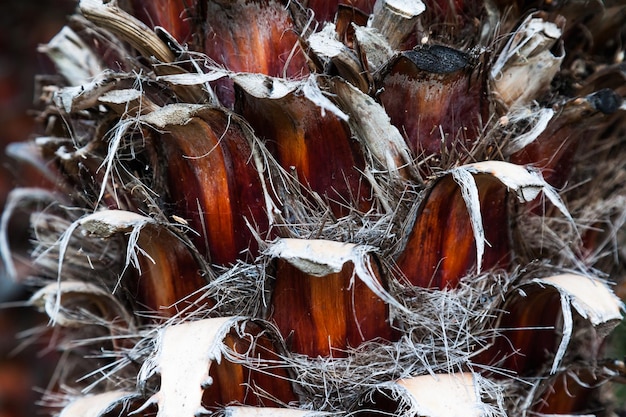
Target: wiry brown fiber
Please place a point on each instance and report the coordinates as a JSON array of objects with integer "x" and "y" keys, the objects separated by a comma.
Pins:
[{"x": 266, "y": 207}]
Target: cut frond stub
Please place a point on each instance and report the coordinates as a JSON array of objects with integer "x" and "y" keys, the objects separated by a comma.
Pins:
[
  {"x": 207, "y": 363},
  {"x": 542, "y": 318},
  {"x": 463, "y": 222},
  {"x": 440, "y": 395},
  {"x": 97, "y": 405}
]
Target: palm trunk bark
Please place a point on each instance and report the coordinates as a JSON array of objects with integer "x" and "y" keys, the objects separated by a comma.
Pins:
[{"x": 300, "y": 208}]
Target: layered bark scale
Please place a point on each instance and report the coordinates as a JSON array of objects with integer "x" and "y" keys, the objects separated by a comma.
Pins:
[{"x": 341, "y": 209}]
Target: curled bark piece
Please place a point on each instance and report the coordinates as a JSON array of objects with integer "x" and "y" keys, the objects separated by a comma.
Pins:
[
  {"x": 464, "y": 212},
  {"x": 372, "y": 126},
  {"x": 106, "y": 223},
  {"x": 526, "y": 65},
  {"x": 396, "y": 19},
  {"x": 186, "y": 78},
  {"x": 257, "y": 85},
  {"x": 183, "y": 359},
  {"x": 441, "y": 395},
  {"x": 128, "y": 101},
  {"x": 97, "y": 405},
  {"x": 530, "y": 331},
  {"x": 207, "y": 363},
  {"x": 84, "y": 96},
  {"x": 525, "y": 182},
  {"x": 593, "y": 300},
  {"x": 538, "y": 121},
  {"x": 127, "y": 28},
  {"x": 328, "y": 48},
  {"x": 326, "y": 43},
  {"x": 328, "y": 296},
  {"x": 18, "y": 199},
  {"x": 74, "y": 60},
  {"x": 66, "y": 303},
  {"x": 263, "y": 87},
  {"x": 167, "y": 271},
  {"x": 373, "y": 48}
]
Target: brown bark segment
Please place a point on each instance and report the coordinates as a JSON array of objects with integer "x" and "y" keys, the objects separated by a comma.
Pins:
[
  {"x": 253, "y": 36},
  {"x": 429, "y": 92},
  {"x": 321, "y": 316},
  {"x": 214, "y": 183},
  {"x": 441, "y": 248},
  {"x": 313, "y": 144},
  {"x": 236, "y": 382}
]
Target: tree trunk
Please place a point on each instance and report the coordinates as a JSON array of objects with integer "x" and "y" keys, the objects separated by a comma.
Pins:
[{"x": 373, "y": 208}]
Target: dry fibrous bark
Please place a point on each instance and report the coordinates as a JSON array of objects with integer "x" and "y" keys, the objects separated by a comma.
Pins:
[{"x": 292, "y": 208}]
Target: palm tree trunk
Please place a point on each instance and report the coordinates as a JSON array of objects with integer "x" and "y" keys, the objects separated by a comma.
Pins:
[{"x": 308, "y": 208}]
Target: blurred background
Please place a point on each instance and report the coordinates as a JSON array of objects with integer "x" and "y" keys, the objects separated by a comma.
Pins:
[{"x": 24, "y": 360}]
